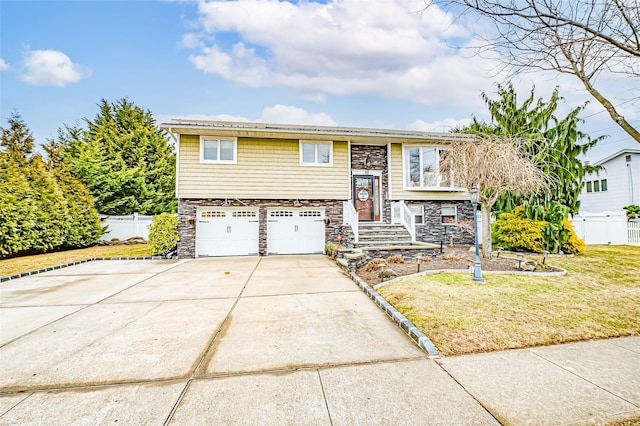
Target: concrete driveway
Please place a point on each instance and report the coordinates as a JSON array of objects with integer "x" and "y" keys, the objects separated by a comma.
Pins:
[{"x": 272, "y": 340}]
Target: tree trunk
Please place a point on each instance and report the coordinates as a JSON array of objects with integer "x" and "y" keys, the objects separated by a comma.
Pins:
[{"x": 486, "y": 231}]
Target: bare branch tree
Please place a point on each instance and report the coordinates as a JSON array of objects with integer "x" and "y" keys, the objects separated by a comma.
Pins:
[
  {"x": 495, "y": 165},
  {"x": 583, "y": 38}
]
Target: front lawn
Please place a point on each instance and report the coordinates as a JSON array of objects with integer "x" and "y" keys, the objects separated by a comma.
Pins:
[
  {"x": 599, "y": 297},
  {"x": 31, "y": 263}
]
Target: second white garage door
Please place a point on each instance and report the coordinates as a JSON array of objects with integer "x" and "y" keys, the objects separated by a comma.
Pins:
[
  {"x": 227, "y": 232},
  {"x": 295, "y": 231}
]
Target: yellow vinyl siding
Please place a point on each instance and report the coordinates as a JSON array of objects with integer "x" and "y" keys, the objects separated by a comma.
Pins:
[
  {"x": 265, "y": 169},
  {"x": 397, "y": 183}
]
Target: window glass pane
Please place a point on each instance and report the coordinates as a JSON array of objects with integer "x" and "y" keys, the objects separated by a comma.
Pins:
[
  {"x": 323, "y": 153},
  {"x": 413, "y": 165},
  {"x": 446, "y": 178},
  {"x": 596, "y": 186},
  {"x": 226, "y": 150},
  {"x": 589, "y": 187},
  {"x": 210, "y": 151},
  {"x": 308, "y": 153},
  {"x": 429, "y": 167},
  {"x": 603, "y": 184}
]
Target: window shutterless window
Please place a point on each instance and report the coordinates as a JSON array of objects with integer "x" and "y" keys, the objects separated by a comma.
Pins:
[
  {"x": 596, "y": 186},
  {"x": 218, "y": 151},
  {"x": 603, "y": 185},
  {"x": 418, "y": 212},
  {"x": 422, "y": 168},
  {"x": 449, "y": 215},
  {"x": 316, "y": 153},
  {"x": 589, "y": 187}
]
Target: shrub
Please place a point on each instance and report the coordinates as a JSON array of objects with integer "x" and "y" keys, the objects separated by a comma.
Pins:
[
  {"x": 331, "y": 248},
  {"x": 513, "y": 231},
  {"x": 163, "y": 233},
  {"x": 374, "y": 265},
  {"x": 395, "y": 259},
  {"x": 633, "y": 211},
  {"x": 573, "y": 245}
]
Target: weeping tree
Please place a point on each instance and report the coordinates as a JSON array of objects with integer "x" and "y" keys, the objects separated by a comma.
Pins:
[{"x": 494, "y": 165}]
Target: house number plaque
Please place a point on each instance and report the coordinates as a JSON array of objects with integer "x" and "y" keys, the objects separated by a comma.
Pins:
[{"x": 363, "y": 195}]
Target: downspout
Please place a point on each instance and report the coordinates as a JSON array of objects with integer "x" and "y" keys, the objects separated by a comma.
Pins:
[{"x": 177, "y": 142}]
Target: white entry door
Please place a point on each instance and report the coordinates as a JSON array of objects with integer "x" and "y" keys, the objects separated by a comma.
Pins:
[
  {"x": 227, "y": 232},
  {"x": 295, "y": 231}
]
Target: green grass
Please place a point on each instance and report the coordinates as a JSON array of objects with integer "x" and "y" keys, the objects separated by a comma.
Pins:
[
  {"x": 31, "y": 263},
  {"x": 598, "y": 298}
]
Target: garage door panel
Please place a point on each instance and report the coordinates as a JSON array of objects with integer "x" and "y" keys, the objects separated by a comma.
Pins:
[
  {"x": 230, "y": 232},
  {"x": 295, "y": 231}
]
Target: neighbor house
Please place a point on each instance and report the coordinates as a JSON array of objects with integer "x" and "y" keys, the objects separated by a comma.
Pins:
[
  {"x": 615, "y": 186},
  {"x": 248, "y": 188}
]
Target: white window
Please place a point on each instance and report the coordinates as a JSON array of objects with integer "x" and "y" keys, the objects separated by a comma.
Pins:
[
  {"x": 422, "y": 168},
  {"x": 449, "y": 215},
  {"x": 418, "y": 212},
  {"x": 219, "y": 151},
  {"x": 316, "y": 153}
]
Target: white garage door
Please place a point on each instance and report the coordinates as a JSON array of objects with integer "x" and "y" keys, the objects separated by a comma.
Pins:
[
  {"x": 295, "y": 231},
  {"x": 227, "y": 232}
]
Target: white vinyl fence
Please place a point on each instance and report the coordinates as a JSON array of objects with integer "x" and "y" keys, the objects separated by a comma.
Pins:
[
  {"x": 124, "y": 227},
  {"x": 606, "y": 228}
]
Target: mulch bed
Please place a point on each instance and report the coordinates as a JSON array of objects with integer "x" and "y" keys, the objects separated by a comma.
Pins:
[{"x": 454, "y": 257}]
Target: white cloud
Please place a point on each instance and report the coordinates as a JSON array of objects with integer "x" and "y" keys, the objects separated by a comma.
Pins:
[
  {"x": 293, "y": 115},
  {"x": 343, "y": 47},
  {"x": 3, "y": 65},
  {"x": 51, "y": 68},
  {"x": 281, "y": 114},
  {"x": 441, "y": 126}
]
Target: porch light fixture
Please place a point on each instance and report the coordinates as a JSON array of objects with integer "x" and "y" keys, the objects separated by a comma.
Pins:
[
  {"x": 297, "y": 203},
  {"x": 226, "y": 203},
  {"x": 367, "y": 162},
  {"x": 474, "y": 197}
]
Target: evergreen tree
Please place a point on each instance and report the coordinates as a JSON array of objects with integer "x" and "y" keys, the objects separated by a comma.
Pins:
[
  {"x": 555, "y": 145},
  {"x": 124, "y": 159}
]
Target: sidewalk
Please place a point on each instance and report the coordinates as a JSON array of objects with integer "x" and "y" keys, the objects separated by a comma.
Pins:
[{"x": 572, "y": 384}]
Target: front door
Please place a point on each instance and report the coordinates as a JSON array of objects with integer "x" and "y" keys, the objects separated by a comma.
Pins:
[{"x": 364, "y": 195}]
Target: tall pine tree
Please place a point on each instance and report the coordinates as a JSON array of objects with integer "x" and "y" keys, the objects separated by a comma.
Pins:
[{"x": 124, "y": 158}]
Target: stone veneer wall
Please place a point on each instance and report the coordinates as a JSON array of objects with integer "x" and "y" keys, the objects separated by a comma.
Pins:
[
  {"x": 378, "y": 162},
  {"x": 434, "y": 231},
  {"x": 187, "y": 208}
]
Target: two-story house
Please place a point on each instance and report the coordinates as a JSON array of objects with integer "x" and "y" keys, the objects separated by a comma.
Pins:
[
  {"x": 249, "y": 188},
  {"x": 615, "y": 186}
]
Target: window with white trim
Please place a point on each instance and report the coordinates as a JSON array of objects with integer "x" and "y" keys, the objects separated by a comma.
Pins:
[
  {"x": 316, "y": 153},
  {"x": 422, "y": 168},
  {"x": 218, "y": 151},
  {"x": 418, "y": 212},
  {"x": 449, "y": 215}
]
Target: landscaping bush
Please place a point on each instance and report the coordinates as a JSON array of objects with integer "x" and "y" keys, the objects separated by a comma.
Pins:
[
  {"x": 163, "y": 233},
  {"x": 331, "y": 248},
  {"x": 633, "y": 211},
  {"x": 513, "y": 231},
  {"x": 573, "y": 245}
]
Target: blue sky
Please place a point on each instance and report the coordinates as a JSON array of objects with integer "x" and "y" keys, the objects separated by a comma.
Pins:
[{"x": 336, "y": 62}]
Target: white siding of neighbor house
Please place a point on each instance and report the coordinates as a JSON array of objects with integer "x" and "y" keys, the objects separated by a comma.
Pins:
[
  {"x": 397, "y": 183},
  {"x": 265, "y": 169},
  {"x": 623, "y": 185}
]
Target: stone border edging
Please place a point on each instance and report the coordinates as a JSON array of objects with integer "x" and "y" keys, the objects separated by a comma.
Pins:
[
  {"x": 75, "y": 262},
  {"x": 407, "y": 326},
  {"x": 559, "y": 273}
]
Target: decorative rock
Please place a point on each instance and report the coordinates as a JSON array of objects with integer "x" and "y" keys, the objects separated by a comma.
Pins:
[{"x": 529, "y": 265}]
